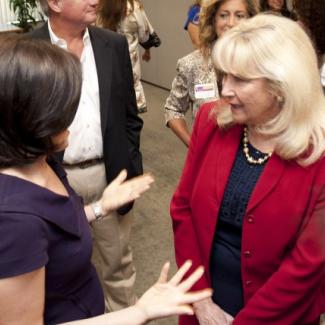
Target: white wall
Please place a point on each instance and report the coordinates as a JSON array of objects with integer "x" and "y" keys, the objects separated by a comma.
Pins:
[
  {"x": 5, "y": 14},
  {"x": 167, "y": 18}
]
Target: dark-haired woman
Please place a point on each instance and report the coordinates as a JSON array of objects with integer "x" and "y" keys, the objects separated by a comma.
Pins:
[
  {"x": 276, "y": 6},
  {"x": 46, "y": 276}
]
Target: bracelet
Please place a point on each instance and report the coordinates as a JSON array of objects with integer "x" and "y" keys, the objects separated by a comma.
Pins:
[{"x": 97, "y": 209}]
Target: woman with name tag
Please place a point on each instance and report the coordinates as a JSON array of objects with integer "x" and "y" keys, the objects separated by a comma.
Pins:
[
  {"x": 250, "y": 205},
  {"x": 196, "y": 80}
]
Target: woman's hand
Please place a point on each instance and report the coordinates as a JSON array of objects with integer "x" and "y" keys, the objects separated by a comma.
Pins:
[
  {"x": 120, "y": 192},
  {"x": 146, "y": 56},
  {"x": 172, "y": 297},
  {"x": 208, "y": 313}
]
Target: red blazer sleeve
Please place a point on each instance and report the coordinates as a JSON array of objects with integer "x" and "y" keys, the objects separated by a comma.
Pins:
[
  {"x": 185, "y": 236},
  {"x": 288, "y": 297}
]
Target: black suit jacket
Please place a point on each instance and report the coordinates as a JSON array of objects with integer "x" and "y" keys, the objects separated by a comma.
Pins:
[{"x": 120, "y": 123}]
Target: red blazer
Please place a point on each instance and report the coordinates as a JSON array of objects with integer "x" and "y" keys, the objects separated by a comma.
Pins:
[{"x": 283, "y": 234}]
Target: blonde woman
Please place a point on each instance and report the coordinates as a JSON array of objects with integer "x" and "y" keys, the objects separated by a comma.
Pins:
[
  {"x": 129, "y": 18},
  {"x": 196, "y": 80},
  {"x": 250, "y": 205}
]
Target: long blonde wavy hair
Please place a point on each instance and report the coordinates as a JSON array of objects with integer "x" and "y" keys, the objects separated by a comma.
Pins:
[{"x": 278, "y": 50}]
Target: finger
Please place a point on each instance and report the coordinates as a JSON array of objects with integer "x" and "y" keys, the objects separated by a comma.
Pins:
[
  {"x": 121, "y": 177},
  {"x": 164, "y": 273},
  {"x": 194, "y": 277},
  {"x": 139, "y": 182},
  {"x": 143, "y": 179},
  {"x": 140, "y": 187},
  {"x": 192, "y": 297},
  {"x": 183, "y": 310},
  {"x": 135, "y": 194},
  {"x": 177, "y": 278}
]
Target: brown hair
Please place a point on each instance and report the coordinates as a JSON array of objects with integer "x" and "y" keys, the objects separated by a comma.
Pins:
[
  {"x": 208, "y": 34},
  {"x": 312, "y": 14},
  {"x": 40, "y": 86},
  {"x": 284, "y": 10},
  {"x": 112, "y": 12}
]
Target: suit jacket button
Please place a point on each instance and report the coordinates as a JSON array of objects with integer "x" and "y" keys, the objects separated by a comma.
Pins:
[
  {"x": 248, "y": 283},
  {"x": 247, "y": 254},
  {"x": 250, "y": 218}
]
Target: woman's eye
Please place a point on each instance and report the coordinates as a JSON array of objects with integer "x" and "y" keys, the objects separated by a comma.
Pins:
[
  {"x": 223, "y": 15},
  {"x": 240, "y": 79},
  {"x": 241, "y": 16}
]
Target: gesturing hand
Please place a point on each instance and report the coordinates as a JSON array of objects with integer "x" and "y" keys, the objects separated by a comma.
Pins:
[
  {"x": 120, "y": 192},
  {"x": 166, "y": 298}
]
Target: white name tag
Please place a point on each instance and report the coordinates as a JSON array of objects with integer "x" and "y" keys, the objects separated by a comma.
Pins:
[{"x": 204, "y": 91}]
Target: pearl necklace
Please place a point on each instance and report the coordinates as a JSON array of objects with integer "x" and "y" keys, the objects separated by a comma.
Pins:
[{"x": 249, "y": 158}]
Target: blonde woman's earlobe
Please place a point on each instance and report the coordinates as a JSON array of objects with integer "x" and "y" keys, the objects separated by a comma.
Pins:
[{"x": 280, "y": 100}]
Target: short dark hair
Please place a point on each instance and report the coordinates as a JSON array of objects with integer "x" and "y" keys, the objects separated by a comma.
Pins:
[
  {"x": 284, "y": 10},
  {"x": 40, "y": 86}
]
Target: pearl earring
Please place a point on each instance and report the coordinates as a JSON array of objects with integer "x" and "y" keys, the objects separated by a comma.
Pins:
[{"x": 280, "y": 100}]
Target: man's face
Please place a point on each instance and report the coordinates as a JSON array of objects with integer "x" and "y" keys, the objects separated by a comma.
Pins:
[{"x": 79, "y": 11}]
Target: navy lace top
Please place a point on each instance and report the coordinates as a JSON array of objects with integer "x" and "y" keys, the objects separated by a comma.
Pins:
[{"x": 225, "y": 265}]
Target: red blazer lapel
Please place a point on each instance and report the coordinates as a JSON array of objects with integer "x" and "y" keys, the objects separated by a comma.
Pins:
[{"x": 271, "y": 175}]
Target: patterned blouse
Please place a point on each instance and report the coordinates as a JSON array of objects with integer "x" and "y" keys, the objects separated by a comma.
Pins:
[{"x": 192, "y": 70}]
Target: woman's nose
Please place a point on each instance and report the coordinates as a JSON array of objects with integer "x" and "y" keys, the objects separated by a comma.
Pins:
[
  {"x": 231, "y": 21},
  {"x": 227, "y": 90}
]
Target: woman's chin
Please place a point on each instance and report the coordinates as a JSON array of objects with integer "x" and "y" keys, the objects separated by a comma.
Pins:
[
  {"x": 61, "y": 147},
  {"x": 238, "y": 117}
]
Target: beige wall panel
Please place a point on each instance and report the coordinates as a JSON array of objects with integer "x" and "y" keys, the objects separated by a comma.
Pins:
[{"x": 167, "y": 18}]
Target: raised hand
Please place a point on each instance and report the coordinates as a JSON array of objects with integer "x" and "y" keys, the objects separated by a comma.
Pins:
[
  {"x": 166, "y": 298},
  {"x": 120, "y": 192}
]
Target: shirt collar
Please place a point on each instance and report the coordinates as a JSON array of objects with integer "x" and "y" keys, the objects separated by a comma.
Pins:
[{"x": 60, "y": 42}]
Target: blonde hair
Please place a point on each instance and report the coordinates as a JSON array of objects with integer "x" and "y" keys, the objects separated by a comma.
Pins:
[
  {"x": 277, "y": 49},
  {"x": 209, "y": 9}
]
